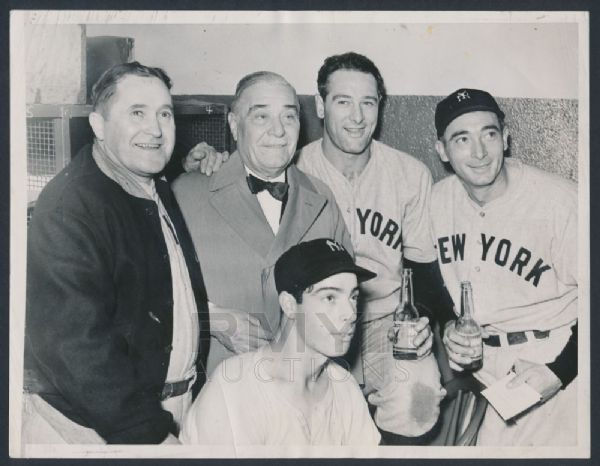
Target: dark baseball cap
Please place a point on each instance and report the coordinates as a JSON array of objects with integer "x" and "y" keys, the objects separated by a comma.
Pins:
[
  {"x": 460, "y": 102},
  {"x": 312, "y": 261}
]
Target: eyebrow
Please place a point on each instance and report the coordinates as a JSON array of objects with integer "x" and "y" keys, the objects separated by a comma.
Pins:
[
  {"x": 327, "y": 288},
  {"x": 333, "y": 288},
  {"x": 139, "y": 106},
  {"x": 463, "y": 132},
  {"x": 345, "y": 96},
  {"x": 256, "y": 107}
]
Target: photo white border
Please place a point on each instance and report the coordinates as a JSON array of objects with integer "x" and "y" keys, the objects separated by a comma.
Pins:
[{"x": 18, "y": 228}]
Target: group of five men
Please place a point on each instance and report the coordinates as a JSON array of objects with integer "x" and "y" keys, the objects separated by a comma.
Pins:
[{"x": 127, "y": 312}]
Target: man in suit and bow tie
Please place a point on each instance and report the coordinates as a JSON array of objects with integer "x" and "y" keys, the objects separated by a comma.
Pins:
[{"x": 252, "y": 210}]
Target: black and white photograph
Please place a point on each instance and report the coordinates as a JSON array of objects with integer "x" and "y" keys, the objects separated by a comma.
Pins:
[{"x": 299, "y": 234}]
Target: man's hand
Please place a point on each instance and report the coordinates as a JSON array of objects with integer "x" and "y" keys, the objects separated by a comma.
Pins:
[
  {"x": 204, "y": 158},
  {"x": 424, "y": 338},
  {"x": 458, "y": 347},
  {"x": 538, "y": 376},
  {"x": 237, "y": 330}
]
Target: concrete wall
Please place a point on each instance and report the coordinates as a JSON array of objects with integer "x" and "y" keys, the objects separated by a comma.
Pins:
[{"x": 543, "y": 131}]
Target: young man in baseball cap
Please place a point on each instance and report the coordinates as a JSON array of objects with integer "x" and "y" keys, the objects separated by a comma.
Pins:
[
  {"x": 511, "y": 230},
  {"x": 290, "y": 392}
]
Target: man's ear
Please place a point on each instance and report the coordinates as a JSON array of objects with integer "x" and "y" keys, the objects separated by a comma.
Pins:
[
  {"x": 97, "y": 123},
  {"x": 288, "y": 304},
  {"x": 441, "y": 150},
  {"x": 233, "y": 125},
  {"x": 505, "y": 134},
  {"x": 320, "y": 105}
]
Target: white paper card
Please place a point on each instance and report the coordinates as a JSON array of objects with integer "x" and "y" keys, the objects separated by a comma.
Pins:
[{"x": 509, "y": 402}]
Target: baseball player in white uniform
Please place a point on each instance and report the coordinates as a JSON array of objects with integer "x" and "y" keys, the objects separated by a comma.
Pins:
[
  {"x": 290, "y": 391},
  {"x": 511, "y": 230},
  {"x": 384, "y": 197}
]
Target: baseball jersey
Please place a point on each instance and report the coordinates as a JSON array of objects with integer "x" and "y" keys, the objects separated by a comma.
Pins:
[
  {"x": 386, "y": 210},
  {"x": 519, "y": 251},
  {"x": 242, "y": 405}
]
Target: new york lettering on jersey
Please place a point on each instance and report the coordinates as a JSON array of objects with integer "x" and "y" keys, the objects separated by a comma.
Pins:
[
  {"x": 501, "y": 251},
  {"x": 374, "y": 223}
]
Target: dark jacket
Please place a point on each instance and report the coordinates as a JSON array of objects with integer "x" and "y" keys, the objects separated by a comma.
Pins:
[{"x": 99, "y": 321}]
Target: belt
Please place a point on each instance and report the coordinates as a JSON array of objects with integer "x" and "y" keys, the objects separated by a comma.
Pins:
[
  {"x": 515, "y": 338},
  {"x": 173, "y": 389}
]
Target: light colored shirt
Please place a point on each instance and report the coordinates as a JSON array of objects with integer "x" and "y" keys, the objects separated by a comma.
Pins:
[
  {"x": 386, "y": 210},
  {"x": 270, "y": 206},
  {"x": 241, "y": 405},
  {"x": 519, "y": 251},
  {"x": 185, "y": 317}
]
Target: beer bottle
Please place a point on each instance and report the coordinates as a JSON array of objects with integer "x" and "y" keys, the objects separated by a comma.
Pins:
[
  {"x": 468, "y": 327},
  {"x": 403, "y": 331}
]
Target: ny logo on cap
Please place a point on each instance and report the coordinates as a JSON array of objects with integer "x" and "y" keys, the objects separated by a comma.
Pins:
[
  {"x": 463, "y": 95},
  {"x": 334, "y": 246}
]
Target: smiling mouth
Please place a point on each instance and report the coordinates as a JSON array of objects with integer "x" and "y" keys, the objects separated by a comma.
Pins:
[
  {"x": 479, "y": 167},
  {"x": 355, "y": 131},
  {"x": 147, "y": 146}
]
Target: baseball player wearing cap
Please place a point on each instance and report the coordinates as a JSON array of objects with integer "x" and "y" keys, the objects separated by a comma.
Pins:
[
  {"x": 290, "y": 392},
  {"x": 511, "y": 230}
]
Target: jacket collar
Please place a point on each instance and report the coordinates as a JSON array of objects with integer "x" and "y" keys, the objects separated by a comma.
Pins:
[
  {"x": 119, "y": 174},
  {"x": 231, "y": 197}
]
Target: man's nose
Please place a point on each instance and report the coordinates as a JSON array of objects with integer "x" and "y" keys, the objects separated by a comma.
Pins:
[
  {"x": 357, "y": 113},
  {"x": 153, "y": 127},
  {"x": 479, "y": 149},
  {"x": 277, "y": 128},
  {"x": 349, "y": 314}
]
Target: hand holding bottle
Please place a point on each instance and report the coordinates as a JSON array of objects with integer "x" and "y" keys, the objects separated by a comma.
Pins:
[
  {"x": 459, "y": 348},
  {"x": 424, "y": 338},
  {"x": 463, "y": 338}
]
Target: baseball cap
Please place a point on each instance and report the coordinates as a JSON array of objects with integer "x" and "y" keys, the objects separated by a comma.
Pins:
[
  {"x": 463, "y": 101},
  {"x": 312, "y": 261}
]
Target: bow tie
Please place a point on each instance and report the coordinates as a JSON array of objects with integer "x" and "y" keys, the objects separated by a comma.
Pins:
[{"x": 277, "y": 189}]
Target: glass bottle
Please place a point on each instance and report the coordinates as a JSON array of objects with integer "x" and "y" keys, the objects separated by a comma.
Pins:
[
  {"x": 468, "y": 327},
  {"x": 406, "y": 316}
]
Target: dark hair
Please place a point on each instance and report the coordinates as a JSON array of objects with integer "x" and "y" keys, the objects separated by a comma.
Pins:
[
  {"x": 105, "y": 87},
  {"x": 349, "y": 61},
  {"x": 256, "y": 77},
  {"x": 297, "y": 294}
]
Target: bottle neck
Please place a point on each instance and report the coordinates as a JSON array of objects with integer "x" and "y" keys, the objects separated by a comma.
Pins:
[
  {"x": 466, "y": 301},
  {"x": 406, "y": 311},
  {"x": 407, "y": 288}
]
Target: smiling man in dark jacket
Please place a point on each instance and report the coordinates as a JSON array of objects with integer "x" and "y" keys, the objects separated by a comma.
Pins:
[{"x": 116, "y": 307}]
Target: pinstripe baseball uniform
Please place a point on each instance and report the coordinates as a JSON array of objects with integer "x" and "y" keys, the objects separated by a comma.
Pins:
[{"x": 519, "y": 251}]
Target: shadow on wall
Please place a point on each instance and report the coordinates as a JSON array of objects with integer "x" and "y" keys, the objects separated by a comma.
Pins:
[{"x": 543, "y": 131}]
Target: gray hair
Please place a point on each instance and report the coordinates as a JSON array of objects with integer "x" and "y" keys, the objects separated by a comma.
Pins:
[{"x": 255, "y": 78}]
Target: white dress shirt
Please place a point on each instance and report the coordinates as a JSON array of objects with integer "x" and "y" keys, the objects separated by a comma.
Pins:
[{"x": 270, "y": 206}]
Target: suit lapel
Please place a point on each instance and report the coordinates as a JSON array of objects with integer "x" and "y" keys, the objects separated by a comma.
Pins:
[
  {"x": 230, "y": 196},
  {"x": 303, "y": 207}
]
